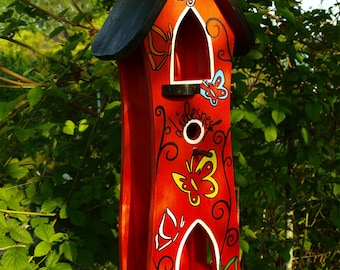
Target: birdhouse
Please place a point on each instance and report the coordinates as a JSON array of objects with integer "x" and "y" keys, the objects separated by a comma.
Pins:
[{"x": 178, "y": 205}]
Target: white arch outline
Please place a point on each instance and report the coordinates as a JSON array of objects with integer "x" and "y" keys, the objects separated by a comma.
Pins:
[
  {"x": 185, "y": 237},
  {"x": 210, "y": 48}
]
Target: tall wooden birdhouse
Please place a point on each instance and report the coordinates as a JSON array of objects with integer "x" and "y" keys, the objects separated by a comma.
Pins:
[{"x": 178, "y": 206}]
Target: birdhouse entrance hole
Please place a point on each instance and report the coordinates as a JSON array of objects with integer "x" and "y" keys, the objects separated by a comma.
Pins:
[
  {"x": 193, "y": 131},
  {"x": 191, "y": 53}
]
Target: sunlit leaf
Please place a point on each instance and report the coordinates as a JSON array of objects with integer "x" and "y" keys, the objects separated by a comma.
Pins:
[
  {"x": 69, "y": 127},
  {"x": 83, "y": 125},
  {"x": 336, "y": 189},
  {"x": 244, "y": 245},
  {"x": 6, "y": 242},
  {"x": 21, "y": 235},
  {"x": 15, "y": 259},
  {"x": 42, "y": 249},
  {"x": 52, "y": 259},
  {"x": 278, "y": 116},
  {"x": 44, "y": 232},
  {"x": 15, "y": 170},
  {"x": 236, "y": 115},
  {"x": 270, "y": 133},
  {"x": 305, "y": 136}
]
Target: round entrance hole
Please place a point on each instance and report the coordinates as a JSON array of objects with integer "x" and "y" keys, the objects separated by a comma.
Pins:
[{"x": 193, "y": 131}]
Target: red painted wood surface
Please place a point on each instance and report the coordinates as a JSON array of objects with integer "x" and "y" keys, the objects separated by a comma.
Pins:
[{"x": 178, "y": 205}]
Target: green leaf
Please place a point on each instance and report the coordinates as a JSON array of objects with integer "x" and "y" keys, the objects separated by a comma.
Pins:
[
  {"x": 5, "y": 109},
  {"x": 242, "y": 160},
  {"x": 6, "y": 242},
  {"x": 63, "y": 211},
  {"x": 56, "y": 31},
  {"x": 34, "y": 96},
  {"x": 20, "y": 235},
  {"x": 44, "y": 232},
  {"x": 79, "y": 17},
  {"x": 285, "y": 12},
  {"x": 16, "y": 171},
  {"x": 23, "y": 134},
  {"x": 236, "y": 115},
  {"x": 38, "y": 221},
  {"x": 83, "y": 125},
  {"x": 112, "y": 105},
  {"x": 305, "y": 136},
  {"x": 52, "y": 259},
  {"x": 307, "y": 245},
  {"x": 250, "y": 116},
  {"x": 30, "y": 190},
  {"x": 336, "y": 189},
  {"x": 278, "y": 116},
  {"x": 50, "y": 205},
  {"x": 42, "y": 249},
  {"x": 248, "y": 232},
  {"x": 59, "y": 237},
  {"x": 255, "y": 54},
  {"x": 69, "y": 250},
  {"x": 4, "y": 194},
  {"x": 69, "y": 127},
  {"x": 240, "y": 180},
  {"x": 15, "y": 259},
  {"x": 270, "y": 133},
  {"x": 244, "y": 245},
  {"x": 62, "y": 266}
]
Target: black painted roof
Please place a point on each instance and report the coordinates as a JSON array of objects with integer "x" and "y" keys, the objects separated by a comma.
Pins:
[{"x": 130, "y": 21}]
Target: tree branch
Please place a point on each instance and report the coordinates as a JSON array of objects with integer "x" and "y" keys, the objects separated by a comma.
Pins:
[{"x": 55, "y": 16}]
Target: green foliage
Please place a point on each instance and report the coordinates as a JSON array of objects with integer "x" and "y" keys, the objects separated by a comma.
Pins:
[
  {"x": 60, "y": 138},
  {"x": 285, "y": 119}
]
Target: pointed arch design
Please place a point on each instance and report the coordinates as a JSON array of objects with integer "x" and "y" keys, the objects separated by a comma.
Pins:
[
  {"x": 209, "y": 236},
  {"x": 190, "y": 50}
]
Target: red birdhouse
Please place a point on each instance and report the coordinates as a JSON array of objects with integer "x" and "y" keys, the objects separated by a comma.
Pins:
[{"x": 178, "y": 204}]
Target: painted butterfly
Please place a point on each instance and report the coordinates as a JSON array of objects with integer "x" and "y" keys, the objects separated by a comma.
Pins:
[{"x": 214, "y": 90}]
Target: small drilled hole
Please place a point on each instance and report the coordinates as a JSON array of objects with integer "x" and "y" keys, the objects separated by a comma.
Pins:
[{"x": 193, "y": 131}]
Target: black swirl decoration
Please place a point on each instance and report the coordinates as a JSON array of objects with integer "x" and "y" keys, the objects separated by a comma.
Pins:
[
  {"x": 165, "y": 263},
  {"x": 214, "y": 27},
  {"x": 170, "y": 148},
  {"x": 232, "y": 237},
  {"x": 220, "y": 209},
  {"x": 219, "y": 137}
]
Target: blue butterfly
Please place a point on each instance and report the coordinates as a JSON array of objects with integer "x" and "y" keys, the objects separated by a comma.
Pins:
[{"x": 214, "y": 90}]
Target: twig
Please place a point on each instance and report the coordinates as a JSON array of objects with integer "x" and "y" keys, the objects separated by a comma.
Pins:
[
  {"x": 16, "y": 75},
  {"x": 13, "y": 246},
  {"x": 20, "y": 84},
  {"x": 86, "y": 18},
  {"x": 55, "y": 16},
  {"x": 27, "y": 213}
]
